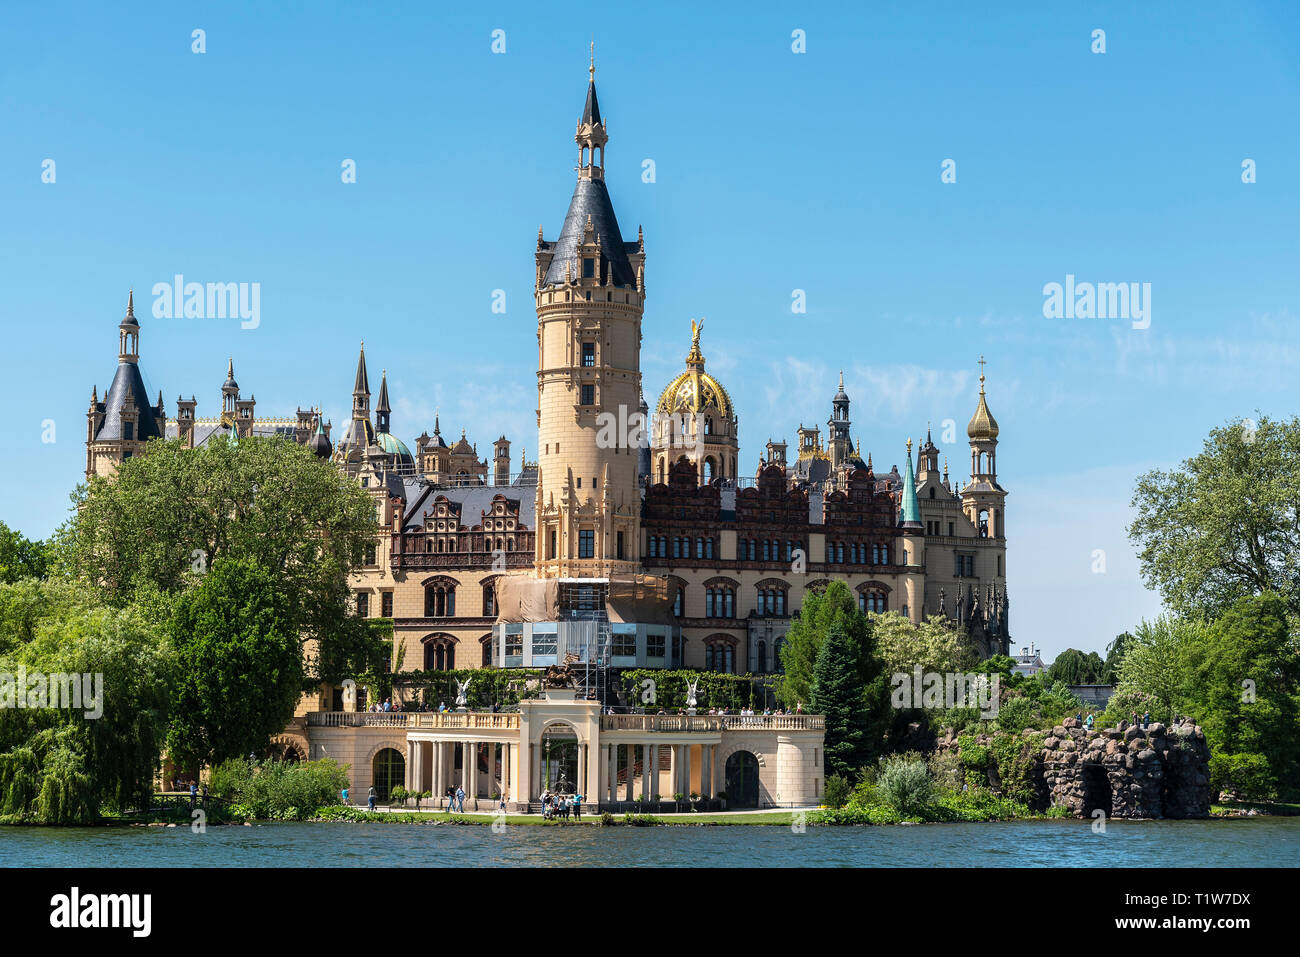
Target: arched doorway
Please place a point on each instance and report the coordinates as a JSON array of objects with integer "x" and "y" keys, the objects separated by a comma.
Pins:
[
  {"x": 742, "y": 780},
  {"x": 388, "y": 770},
  {"x": 559, "y": 753}
]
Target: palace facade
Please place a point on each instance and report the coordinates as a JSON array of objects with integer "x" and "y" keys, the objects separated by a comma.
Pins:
[{"x": 615, "y": 548}]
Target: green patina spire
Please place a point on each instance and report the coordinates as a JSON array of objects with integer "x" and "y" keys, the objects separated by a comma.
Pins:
[{"x": 910, "y": 513}]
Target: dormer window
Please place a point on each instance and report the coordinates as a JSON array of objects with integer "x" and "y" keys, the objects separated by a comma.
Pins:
[{"x": 588, "y": 268}]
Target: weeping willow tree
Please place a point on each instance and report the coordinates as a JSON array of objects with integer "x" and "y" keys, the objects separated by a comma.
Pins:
[{"x": 67, "y": 760}]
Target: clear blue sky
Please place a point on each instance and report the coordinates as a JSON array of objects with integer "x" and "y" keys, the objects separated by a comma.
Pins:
[{"x": 775, "y": 171}]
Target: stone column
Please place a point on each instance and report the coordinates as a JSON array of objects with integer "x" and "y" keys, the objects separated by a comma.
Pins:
[
  {"x": 686, "y": 769},
  {"x": 629, "y": 755},
  {"x": 654, "y": 770},
  {"x": 439, "y": 770},
  {"x": 611, "y": 791},
  {"x": 674, "y": 769},
  {"x": 471, "y": 763},
  {"x": 645, "y": 771}
]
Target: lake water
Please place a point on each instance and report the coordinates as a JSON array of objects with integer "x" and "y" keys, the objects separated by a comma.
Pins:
[{"x": 1250, "y": 842}]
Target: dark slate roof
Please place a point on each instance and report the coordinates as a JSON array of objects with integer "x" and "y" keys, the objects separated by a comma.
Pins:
[
  {"x": 591, "y": 112},
  {"x": 362, "y": 385},
  {"x": 127, "y": 377},
  {"x": 590, "y": 198},
  {"x": 473, "y": 501}
]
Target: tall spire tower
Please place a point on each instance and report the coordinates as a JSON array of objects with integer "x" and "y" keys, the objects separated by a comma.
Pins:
[
  {"x": 984, "y": 499},
  {"x": 590, "y": 295}
]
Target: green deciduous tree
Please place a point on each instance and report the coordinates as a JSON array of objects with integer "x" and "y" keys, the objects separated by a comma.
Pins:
[
  {"x": 933, "y": 644},
  {"x": 21, "y": 557},
  {"x": 63, "y": 765},
  {"x": 1244, "y": 678},
  {"x": 1156, "y": 664},
  {"x": 168, "y": 516},
  {"x": 1226, "y": 524},
  {"x": 1074, "y": 667},
  {"x": 241, "y": 668}
]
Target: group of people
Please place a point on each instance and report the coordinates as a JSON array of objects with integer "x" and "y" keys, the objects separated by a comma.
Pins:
[
  {"x": 1141, "y": 720},
  {"x": 560, "y": 806}
]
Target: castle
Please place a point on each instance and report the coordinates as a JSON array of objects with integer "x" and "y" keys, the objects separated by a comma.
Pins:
[{"x": 618, "y": 547}]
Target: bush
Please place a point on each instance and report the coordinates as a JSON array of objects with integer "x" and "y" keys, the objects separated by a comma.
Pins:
[
  {"x": 1015, "y": 715},
  {"x": 1247, "y": 775},
  {"x": 641, "y": 820},
  {"x": 945, "y": 770},
  {"x": 277, "y": 790},
  {"x": 904, "y": 784},
  {"x": 606, "y": 819},
  {"x": 838, "y": 791},
  {"x": 855, "y": 814}
]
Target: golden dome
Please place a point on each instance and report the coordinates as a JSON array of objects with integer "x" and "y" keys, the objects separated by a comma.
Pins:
[
  {"x": 695, "y": 390},
  {"x": 982, "y": 424}
]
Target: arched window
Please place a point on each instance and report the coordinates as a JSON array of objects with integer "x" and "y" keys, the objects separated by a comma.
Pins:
[
  {"x": 439, "y": 653},
  {"x": 872, "y": 600},
  {"x": 679, "y": 602},
  {"x": 440, "y": 599},
  {"x": 489, "y": 600},
  {"x": 720, "y": 654}
]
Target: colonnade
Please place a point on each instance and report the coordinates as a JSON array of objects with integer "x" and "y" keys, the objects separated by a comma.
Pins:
[
  {"x": 432, "y": 767},
  {"x": 690, "y": 768}
]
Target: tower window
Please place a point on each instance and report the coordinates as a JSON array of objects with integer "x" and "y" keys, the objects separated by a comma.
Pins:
[
  {"x": 589, "y": 354},
  {"x": 588, "y": 268},
  {"x": 588, "y": 395},
  {"x": 586, "y": 543}
]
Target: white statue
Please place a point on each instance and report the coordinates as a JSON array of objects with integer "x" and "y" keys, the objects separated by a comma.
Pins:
[
  {"x": 462, "y": 687},
  {"x": 690, "y": 693}
]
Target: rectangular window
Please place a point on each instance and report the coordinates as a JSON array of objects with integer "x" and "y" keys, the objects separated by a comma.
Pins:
[
  {"x": 618, "y": 548},
  {"x": 586, "y": 543},
  {"x": 544, "y": 643},
  {"x": 624, "y": 641},
  {"x": 588, "y": 395},
  {"x": 386, "y": 604},
  {"x": 589, "y": 354},
  {"x": 588, "y": 268},
  {"x": 550, "y": 546},
  {"x": 370, "y": 554},
  {"x": 654, "y": 646},
  {"x": 514, "y": 641},
  {"x": 363, "y": 604},
  {"x": 128, "y": 430}
]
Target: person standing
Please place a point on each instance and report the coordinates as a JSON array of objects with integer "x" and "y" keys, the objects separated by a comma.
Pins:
[
  {"x": 370, "y": 798},
  {"x": 460, "y": 800},
  {"x": 345, "y": 795},
  {"x": 577, "y": 807}
]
